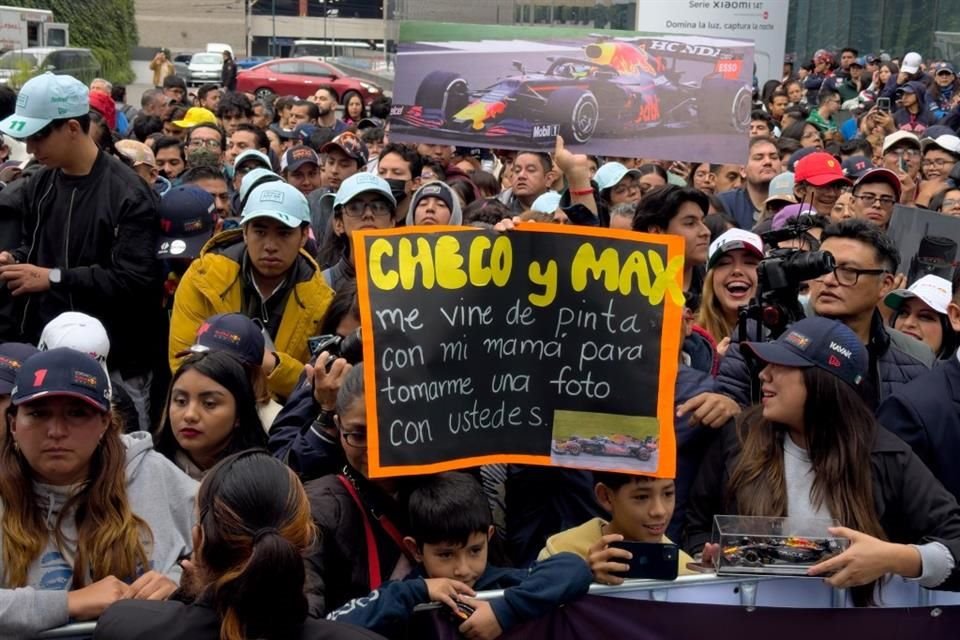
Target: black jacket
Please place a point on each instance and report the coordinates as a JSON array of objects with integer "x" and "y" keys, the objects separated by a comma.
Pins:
[
  {"x": 913, "y": 508},
  {"x": 228, "y": 74},
  {"x": 926, "y": 414},
  {"x": 146, "y": 620},
  {"x": 100, "y": 230},
  {"x": 898, "y": 359}
]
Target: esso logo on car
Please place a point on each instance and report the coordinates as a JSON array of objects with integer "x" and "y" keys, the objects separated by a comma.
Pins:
[{"x": 681, "y": 47}]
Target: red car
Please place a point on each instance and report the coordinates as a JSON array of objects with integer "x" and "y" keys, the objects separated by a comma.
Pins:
[{"x": 302, "y": 77}]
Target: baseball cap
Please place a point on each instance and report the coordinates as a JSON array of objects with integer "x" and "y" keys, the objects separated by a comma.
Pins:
[
  {"x": 781, "y": 188},
  {"x": 304, "y": 130},
  {"x": 949, "y": 143},
  {"x": 253, "y": 179},
  {"x": 900, "y": 136},
  {"x": 137, "y": 152},
  {"x": 935, "y": 291},
  {"x": 44, "y": 99},
  {"x": 547, "y": 202},
  {"x": 186, "y": 221},
  {"x": 881, "y": 175},
  {"x": 859, "y": 62},
  {"x": 370, "y": 123},
  {"x": 12, "y": 357},
  {"x": 105, "y": 106},
  {"x": 943, "y": 67},
  {"x": 819, "y": 169},
  {"x": 279, "y": 201},
  {"x": 296, "y": 157},
  {"x": 734, "y": 239},
  {"x": 350, "y": 144},
  {"x": 816, "y": 342},
  {"x": 788, "y": 213},
  {"x": 284, "y": 134},
  {"x": 362, "y": 182},
  {"x": 195, "y": 116},
  {"x": 854, "y": 166},
  {"x": 799, "y": 155},
  {"x": 911, "y": 62},
  {"x": 610, "y": 174},
  {"x": 62, "y": 372},
  {"x": 77, "y": 331},
  {"x": 234, "y": 333},
  {"x": 253, "y": 154}
]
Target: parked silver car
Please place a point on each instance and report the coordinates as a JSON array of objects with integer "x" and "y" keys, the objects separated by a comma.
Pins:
[{"x": 205, "y": 67}]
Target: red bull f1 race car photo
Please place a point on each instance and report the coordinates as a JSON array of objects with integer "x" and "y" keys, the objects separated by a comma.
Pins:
[{"x": 618, "y": 89}]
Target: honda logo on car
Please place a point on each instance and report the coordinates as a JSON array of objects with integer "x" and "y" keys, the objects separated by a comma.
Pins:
[
  {"x": 681, "y": 47},
  {"x": 846, "y": 353}
]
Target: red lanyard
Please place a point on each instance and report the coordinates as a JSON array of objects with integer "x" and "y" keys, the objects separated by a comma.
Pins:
[{"x": 373, "y": 556}]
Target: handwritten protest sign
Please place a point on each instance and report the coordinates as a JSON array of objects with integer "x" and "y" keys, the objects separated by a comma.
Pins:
[{"x": 546, "y": 345}]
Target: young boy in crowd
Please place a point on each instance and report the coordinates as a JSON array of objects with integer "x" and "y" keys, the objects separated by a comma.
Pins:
[
  {"x": 640, "y": 509},
  {"x": 450, "y": 527}
]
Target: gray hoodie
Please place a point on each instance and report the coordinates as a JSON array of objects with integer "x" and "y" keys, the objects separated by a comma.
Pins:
[
  {"x": 157, "y": 491},
  {"x": 456, "y": 212}
]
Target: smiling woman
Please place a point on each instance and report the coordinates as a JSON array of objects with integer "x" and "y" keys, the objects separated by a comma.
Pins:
[
  {"x": 85, "y": 509},
  {"x": 731, "y": 281}
]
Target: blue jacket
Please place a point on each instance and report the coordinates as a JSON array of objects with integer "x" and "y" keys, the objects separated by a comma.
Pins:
[
  {"x": 897, "y": 360},
  {"x": 926, "y": 415},
  {"x": 529, "y": 593},
  {"x": 739, "y": 206}
]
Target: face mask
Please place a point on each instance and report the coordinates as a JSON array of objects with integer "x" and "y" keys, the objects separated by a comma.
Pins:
[
  {"x": 198, "y": 157},
  {"x": 398, "y": 188},
  {"x": 228, "y": 170}
]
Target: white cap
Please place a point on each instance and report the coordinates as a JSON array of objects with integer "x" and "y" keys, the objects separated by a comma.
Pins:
[
  {"x": 897, "y": 136},
  {"x": 77, "y": 331},
  {"x": 947, "y": 142},
  {"x": 734, "y": 239},
  {"x": 911, "y": 62},
  {"x": 935, "y": 291},
  {"x": 611, "y": 173},
  {"x": 43, "y": 99}
]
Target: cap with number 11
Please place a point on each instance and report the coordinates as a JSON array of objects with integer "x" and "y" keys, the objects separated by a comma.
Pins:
[{"x": 42, "y": 100}]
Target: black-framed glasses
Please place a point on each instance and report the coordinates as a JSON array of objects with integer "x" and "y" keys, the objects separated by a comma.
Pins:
[
  {"x": 210, "y": 142},
  {"x": 356, "y": 439},
  {"x": 868, "y": 199},
  {"x": 850, "y": 276},
  {"x": 379, "y": 208},
  {"x": 939, "y": 163}
]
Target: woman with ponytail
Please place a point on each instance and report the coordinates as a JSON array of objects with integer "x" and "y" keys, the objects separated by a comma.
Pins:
[
  {"x": 245, "y": 580},
  {"x": 89, "y": 515}
]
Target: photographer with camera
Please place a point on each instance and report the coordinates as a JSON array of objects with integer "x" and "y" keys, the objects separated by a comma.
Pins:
[{"x": 866, "y": 262}]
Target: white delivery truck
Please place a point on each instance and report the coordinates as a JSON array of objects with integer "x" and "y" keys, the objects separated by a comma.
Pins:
[{"x": 21, "y": 28}]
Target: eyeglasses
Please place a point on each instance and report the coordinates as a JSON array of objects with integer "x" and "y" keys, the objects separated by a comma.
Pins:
[
  {"x": 211, "y": 143},
  {"x": 356, "y": 439},
  {"x": 906, "y": 153},
  {"x": 939, "y": 163},
  {"x": 625, "y": 186},
  {"x": 849, "y": 276},
  {"x": 950, "y": 204},
  {"x": 868, "y": 199},
  {"x": 379, "y": 208}
]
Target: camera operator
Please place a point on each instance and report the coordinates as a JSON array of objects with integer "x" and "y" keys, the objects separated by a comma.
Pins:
[{"x": 866, "y": 264}]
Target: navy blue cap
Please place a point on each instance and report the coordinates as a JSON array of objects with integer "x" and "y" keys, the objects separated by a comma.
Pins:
[
  {"x": 62, "y": 372},
  {"x": 232, "y": 332},
  {"x": 186, "y": 221},
  {"x": 856, "y": 166},
  {"x": 798, "y": 155},
  {"x": 304, "y": 130},
  {"x": 816, "y": 342},
  {"x": 12, "y": 357}
]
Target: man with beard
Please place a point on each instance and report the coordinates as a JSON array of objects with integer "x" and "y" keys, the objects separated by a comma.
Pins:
[
  {"x": 746, "y": 204},
  {"x": 326, "y": 101}
]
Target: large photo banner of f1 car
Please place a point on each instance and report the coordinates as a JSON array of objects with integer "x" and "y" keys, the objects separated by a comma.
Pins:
[{"x": 620, "y": 94}]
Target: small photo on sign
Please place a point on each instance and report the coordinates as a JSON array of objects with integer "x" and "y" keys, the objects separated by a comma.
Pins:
[{"x": 605, "y": 441}]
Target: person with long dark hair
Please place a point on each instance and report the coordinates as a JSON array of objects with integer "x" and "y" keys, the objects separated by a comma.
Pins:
[
  {"x": 245, "y": 579},
  {"x": 813, "y": 450},
  {"x": 211, "y": 412}
]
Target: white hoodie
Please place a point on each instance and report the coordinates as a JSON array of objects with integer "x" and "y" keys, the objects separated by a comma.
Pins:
[{"x": 158, "y": 492}]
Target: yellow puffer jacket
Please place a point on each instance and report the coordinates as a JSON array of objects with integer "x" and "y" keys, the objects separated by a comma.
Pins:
[{"x": 213, "y": 284}]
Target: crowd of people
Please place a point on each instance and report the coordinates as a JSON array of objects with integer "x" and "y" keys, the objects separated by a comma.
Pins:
[{"x": 179, "y": 461}]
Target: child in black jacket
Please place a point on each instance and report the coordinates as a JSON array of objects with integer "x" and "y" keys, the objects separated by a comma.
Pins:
[{"x": 450, "y": 525}]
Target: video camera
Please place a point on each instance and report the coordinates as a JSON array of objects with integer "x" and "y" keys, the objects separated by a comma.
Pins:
[{"x": 349, "y": 347}]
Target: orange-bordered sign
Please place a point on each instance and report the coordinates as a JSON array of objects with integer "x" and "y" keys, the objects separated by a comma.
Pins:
[{"x": 548, "y": 345}]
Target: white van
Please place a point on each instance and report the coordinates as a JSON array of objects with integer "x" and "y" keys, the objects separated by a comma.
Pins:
[{"x": 219, "y": 47}]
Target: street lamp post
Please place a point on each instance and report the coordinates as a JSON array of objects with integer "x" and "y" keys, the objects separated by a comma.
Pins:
[{"x": 273, "y": 39}]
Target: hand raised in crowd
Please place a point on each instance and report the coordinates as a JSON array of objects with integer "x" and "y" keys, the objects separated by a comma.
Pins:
[
  {"x": 447, "y": 591},
  {"x": 722, "y": 346},
  {"x": 482, "y": 623},
  {"x": 25, "y": 278},
  {"x": 867, "y": 559},
  {"x": 90, "y": 601},
  {"x": 325, "y": 383},
  {"x": 507, "y": 224},
  {"x": 576, "y": 168},
  {"x": 601, "y": 558},
  {"x": 152, "y": 585},
  {"x": 908, "y": 188},
  {"x": 709, "y": 409}
]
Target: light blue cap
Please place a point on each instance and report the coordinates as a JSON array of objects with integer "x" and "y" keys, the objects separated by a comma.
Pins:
[
  {"x": 279, "y": 201},
  {"x": 252, "y": 178},
  {"x": 781, "y": 188},
  {"x": 611, "y": 173},
  {"x": 253, "y": 154},
  {"x": 362, "y": 182},
  {"x": 43, "y": 99},
  {"x": 546, "y": 203}
]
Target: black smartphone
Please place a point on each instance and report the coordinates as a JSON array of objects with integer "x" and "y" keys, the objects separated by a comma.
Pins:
[
  {"x": 651, "y": 560},
  {"x": 883, "y": 104}
]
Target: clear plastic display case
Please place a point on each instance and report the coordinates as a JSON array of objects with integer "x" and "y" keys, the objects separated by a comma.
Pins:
[{"x": 753, "y": 545}]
